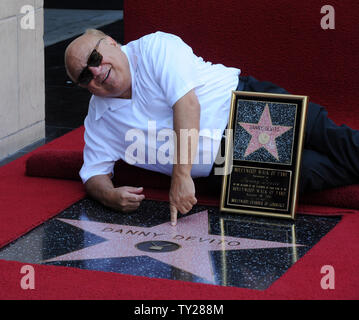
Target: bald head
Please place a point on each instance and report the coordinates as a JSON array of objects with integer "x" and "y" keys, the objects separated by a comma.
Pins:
[
  {"x": 78, "y": 51},
  {"x": 111, "y": 77}
]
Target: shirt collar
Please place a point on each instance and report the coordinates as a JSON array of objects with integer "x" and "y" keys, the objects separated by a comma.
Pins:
[
  {"x": 130, "y": 51},
  {"x": 102, "y": 104}
]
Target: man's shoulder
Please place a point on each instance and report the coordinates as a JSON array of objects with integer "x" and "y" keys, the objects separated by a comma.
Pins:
[
  {"x": 156, "y": 40},
  {"x": 159, "y": 35}
]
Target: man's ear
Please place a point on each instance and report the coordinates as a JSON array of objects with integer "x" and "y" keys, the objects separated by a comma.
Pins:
[{"x": 111, "y": 41}]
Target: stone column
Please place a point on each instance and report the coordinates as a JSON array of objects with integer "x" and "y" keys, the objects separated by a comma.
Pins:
[{"x": 22, "y": 85}]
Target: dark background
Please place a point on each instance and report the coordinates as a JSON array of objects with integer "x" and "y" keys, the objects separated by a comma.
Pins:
[{"x": 84, "y": 4}]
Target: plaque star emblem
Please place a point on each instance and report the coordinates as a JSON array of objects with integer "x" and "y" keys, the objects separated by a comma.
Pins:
[
  {"x": 263, "y": 134},
  {"x": 185, "y": 246}
]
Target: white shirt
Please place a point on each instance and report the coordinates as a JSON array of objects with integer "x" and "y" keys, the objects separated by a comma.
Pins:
[{"x": 140, "y": 130}]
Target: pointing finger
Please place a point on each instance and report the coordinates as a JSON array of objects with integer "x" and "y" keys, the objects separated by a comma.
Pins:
[{"x": 173, "y": 211}]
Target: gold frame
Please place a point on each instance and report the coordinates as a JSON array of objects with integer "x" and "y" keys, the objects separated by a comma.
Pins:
[{"x": 302, "y": 102}]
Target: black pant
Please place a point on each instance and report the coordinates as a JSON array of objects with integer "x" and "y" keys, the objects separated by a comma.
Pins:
[{"x": 331, "y": 153}]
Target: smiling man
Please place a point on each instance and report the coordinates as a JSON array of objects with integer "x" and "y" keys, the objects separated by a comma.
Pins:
[
  {"x": 158, "y": 79},
  {"x": 108, "y": 77}
]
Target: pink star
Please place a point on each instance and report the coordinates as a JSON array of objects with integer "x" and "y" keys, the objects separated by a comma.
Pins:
[
  {"x": 263, "y": 134},
  {"x": 190, "y": 233}
]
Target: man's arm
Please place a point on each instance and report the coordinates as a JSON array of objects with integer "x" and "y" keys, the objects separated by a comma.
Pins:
[
  {"x": 186, "y": 115},
  {"x": 125, "y": 199}
]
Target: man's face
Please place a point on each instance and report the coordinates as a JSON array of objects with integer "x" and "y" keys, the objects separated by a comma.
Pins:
[{"x": 112, "y": 78}]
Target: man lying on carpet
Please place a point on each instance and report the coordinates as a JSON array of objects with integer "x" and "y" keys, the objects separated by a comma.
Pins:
[{"x": 158, "y": 78}]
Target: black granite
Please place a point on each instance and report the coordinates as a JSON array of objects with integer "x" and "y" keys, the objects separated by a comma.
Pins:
[{"x": 248, "y": 268}]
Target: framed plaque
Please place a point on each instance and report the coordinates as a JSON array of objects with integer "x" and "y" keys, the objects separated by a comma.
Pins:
[{"x": 264, "y": 141}]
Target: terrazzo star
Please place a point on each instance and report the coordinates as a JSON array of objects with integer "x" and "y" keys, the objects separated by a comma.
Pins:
[{"x": 158, "y": 77}]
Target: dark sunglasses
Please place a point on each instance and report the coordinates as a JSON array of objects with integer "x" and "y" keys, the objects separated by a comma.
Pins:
[{"x": 94, "y": 60}]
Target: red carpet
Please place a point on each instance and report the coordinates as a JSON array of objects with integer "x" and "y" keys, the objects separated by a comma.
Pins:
[{"x": 28, "y": 201}]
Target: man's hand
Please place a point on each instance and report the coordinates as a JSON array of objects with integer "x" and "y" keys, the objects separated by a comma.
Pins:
[
  {"x": 125, "y": 199},
  {"x": 182, "y": 195}
]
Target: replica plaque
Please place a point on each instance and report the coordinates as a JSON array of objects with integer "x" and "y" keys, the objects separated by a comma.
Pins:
[{"x": 264, "y": 142}]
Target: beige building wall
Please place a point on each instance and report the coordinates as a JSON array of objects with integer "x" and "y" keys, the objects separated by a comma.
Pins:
[{"x": 22, "y": 85}]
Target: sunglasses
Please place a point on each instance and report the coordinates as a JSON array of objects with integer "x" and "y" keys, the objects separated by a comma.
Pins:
[{"x": 94, "y": 60}]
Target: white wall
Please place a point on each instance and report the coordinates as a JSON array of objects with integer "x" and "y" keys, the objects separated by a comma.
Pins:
[{"x": 22, "y": 85}]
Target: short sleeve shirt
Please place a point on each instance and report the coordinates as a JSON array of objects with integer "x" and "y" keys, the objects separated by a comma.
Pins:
[{"x": 140, "y": 130}]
